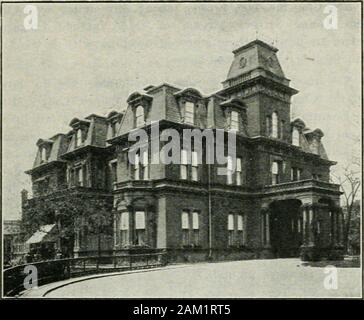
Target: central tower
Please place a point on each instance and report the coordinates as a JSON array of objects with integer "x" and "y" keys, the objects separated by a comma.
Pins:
[{"x": 256, "y": 76}]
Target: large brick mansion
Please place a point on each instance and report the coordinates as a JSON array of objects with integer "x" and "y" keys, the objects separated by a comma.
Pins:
[{"x": 276, "y": 202}]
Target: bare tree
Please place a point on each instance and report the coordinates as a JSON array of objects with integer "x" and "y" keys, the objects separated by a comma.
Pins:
[{"x": 349, "y": 182}]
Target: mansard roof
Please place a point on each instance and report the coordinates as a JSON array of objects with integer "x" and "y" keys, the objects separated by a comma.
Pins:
[{"x": 188, "y": 91}]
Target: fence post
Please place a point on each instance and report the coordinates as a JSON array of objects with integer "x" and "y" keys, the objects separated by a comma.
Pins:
[{"x": 130, "y": 261}]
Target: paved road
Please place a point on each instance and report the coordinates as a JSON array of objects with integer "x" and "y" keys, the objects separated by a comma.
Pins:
[{"x": 253, "y": 278}]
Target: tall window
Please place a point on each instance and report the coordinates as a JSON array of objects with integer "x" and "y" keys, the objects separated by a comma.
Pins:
[
  {"x": 79, "y": 176},
  {"x": 78, "y": 137},
  {"x": 230, "y": 229},
  {"x": 43, "y": 154},
  {"x": 194, "y": 173},
  {"x": 274, "y": 125},
  {"x": 295, "y": 137},
  {"x": 145, "y": 164},
  {"x": 234, "y": 124},
  {"x": 189, "y": 113},
  {"x": 184, "y": 164},
  {"x": 139, "y": 227},
  {"x": 139, "y": 116},
  {"x": 141, "y": 166},
  {"x": 137, "y": 167},
  {"x": 296, "y": 174},
  {"x": 113, "y": 129},
  {"x": 240, "y": 230},
  {"x": 124, "y": 228},
  {"x": 238, "y": 172},
  {"x": 185, "y": 228},
  {"x": 275, "y": 172},
  {"x": 230, "y": 171},
  {"x": 268, "y": 126},
  {"x": 113, "y": 171},
  {"x": 281, "y": 130},
  {"x": 196, "y": 228}
]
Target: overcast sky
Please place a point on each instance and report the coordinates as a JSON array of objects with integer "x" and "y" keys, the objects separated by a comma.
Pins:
[{"x": 87, "y": 58}]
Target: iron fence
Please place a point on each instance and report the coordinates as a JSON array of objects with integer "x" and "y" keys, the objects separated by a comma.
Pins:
[{"x": 56, "y": 270}]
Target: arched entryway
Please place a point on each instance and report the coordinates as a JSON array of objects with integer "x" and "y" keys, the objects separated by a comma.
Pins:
[{"x": 286, "y": 228}]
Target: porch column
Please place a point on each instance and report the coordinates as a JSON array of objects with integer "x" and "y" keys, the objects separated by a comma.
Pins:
[
  {"x": 267, "y": 228},
  {"x": 311, "y": 226},
  {"x": 305, "y": 237},
  {"x": 334, "y": 236}
]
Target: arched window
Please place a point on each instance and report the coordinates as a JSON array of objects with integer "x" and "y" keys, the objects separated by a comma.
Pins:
[
  {"x": 139, "y": 116},
  {"x": 274, "y": 125},
  {"x": 275, "y": 172},
  {"x": 295, "y": 137},
  {"x": 78, "y": 137}
]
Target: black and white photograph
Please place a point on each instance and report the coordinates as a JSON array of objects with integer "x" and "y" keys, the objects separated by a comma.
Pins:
[{"x": 181, "y": 150}]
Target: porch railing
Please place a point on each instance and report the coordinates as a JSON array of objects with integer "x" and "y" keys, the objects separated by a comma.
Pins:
[
  {"x": 302, "y": 184},
  {"x": 56, "y": 270}
]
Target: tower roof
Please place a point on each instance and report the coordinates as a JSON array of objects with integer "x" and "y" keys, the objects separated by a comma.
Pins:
[{"x": 256, "y": 56}]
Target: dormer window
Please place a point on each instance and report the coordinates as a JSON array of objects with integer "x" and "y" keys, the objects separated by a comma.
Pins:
[
  {"x": 43, "y": 154},
  {"x": 275, "y": 125},
  {"x": 113, "y": 129},
  {"x": 139, "y": 116},
  {"x": 295, "y": 137},
  {"x": 78, "y": 137},
  {"x": 189, "y": 112},
  {"x": 234, "y": 120}
]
